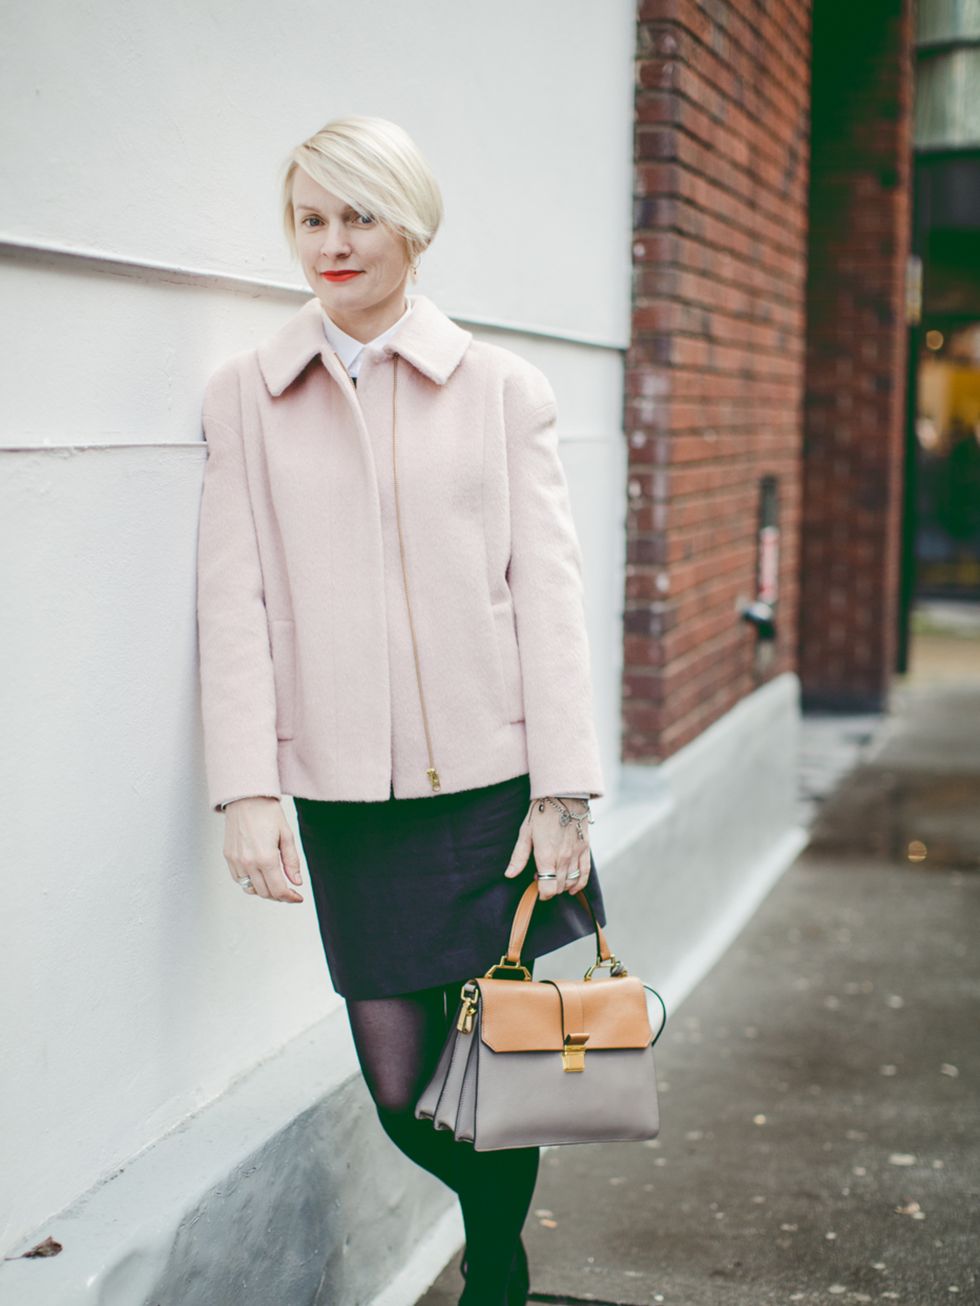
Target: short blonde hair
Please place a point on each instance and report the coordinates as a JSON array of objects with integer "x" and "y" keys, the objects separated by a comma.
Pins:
[{"x": 375, "y": 166}]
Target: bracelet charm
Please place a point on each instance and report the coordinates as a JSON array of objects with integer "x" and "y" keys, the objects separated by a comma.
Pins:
[{"x": 566, "y": 815}]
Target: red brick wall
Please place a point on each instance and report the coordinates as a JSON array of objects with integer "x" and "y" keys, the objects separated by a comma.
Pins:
[
  {"x": 855, "y": 407},
  {"x": 716, "y": 369}
]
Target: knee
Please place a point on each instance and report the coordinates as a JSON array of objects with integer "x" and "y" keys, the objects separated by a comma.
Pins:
[
  {"x": 397, "y": 1118},
  {"x": 394, "y": 1100}
]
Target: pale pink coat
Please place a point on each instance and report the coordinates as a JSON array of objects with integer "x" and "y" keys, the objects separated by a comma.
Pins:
[{"x": 308, "y": 679}]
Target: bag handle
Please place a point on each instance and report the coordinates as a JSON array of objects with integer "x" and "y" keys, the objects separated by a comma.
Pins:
[{"x": 511, "y": 960}]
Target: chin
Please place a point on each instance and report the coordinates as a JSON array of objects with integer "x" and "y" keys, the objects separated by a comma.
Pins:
[{"x": 331, "y": 299}]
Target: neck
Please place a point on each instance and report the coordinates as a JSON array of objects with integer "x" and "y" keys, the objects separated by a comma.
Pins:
[{"x": 366, "y": 324}]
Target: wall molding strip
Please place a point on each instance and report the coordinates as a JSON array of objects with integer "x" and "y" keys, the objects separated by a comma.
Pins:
[{"x": 54, "y": 254}]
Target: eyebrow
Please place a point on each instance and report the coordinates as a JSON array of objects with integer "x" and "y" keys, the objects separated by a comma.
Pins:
[{"x": 310, "y": 208}]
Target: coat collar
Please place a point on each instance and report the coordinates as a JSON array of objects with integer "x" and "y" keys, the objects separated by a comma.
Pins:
[{"x": 428, "y": 339}]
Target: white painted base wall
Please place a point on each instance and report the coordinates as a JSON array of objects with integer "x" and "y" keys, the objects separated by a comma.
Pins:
[
  {"x": 285, "y": 1187},
  {"x": 171, "y": 1049},
  {"x": 139, "y": 248}
]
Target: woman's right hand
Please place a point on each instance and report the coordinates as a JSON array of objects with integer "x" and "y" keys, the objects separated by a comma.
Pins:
[{"x": 259, "y": 843}]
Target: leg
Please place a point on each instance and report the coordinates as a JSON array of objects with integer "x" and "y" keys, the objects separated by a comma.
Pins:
[
  {"x": 398, "y": 1041},
  {"x": 495, "y": 1193}
]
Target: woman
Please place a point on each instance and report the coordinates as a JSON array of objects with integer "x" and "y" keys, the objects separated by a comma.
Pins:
[{"x": 392, "y": 632}]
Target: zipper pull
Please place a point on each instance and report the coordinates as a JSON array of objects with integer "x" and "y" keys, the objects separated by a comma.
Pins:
[{"x": 433, "y": 775}]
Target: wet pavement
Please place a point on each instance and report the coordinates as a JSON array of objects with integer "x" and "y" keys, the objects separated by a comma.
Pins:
[
  {"x": 918, "y": 798},
  {"x": 819, "y": 1087}
]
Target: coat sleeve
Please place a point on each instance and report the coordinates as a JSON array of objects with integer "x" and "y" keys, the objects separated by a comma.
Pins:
[
  {"x": 238, "y": 702},
  {"x": 545, "y": 578}
]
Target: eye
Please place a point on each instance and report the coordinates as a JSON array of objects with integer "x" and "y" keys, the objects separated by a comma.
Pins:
[
  {"x": 362, "y": 219},
  {"x": 311, "y": 217}
]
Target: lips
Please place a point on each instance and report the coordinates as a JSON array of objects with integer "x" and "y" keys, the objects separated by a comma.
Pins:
[{"x": 340, "y": 276}]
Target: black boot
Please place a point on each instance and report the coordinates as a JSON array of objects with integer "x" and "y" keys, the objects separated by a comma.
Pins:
[{"x": 518, "y": 1282}]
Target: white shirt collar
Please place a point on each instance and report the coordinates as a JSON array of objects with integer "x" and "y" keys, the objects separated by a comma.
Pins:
[{"x": 351, "y": 351}]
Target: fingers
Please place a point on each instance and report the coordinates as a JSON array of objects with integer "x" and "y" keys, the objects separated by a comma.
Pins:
[
  {"x": 574, "y": 883},
  {"x": 268, "y": 881},
  {"x": 239, "y": 872},
  {"x": 522, "y": 850},
  {"x": 279, "y": 888},
  {"x": 562, "y": 865},
  {"x": 558, "y": 853},
  {"x": 287, "y": 863},
  {"x": 547, "y": 887},
  {"x": 259, "y": 844},
  {"x": 258, "y": 887},
  {"x": 290, "y": 855},
  {"x": 584, "y": 867}
]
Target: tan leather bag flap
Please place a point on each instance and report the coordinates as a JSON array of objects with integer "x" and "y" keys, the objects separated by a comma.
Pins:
[{"x": 535, "y": 1015}]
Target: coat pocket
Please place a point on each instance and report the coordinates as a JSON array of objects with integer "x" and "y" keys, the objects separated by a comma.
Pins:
[
  {"x": 282, "y": 636},
  {"x": 509, "y": 659}
]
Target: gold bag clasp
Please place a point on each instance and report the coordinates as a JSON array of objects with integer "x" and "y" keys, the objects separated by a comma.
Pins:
[
  {"x": 573, "y": 1053},
  {"x": 467, "y": 1011}
]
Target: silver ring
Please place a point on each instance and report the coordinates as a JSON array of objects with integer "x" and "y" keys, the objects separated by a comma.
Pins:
[
  {"x": 545, "y": 875},
  {"x": 246, "y": 882},
  {"x": 573, "y": 875}
]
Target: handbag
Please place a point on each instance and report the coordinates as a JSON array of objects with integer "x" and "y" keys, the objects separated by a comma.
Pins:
[{"x": 544, "y": 1062}]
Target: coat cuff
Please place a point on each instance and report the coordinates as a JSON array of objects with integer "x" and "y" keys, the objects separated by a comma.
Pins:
[{"x": 220, "y": 807}]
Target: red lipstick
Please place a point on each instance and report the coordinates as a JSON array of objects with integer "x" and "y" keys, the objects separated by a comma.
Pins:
[{"x": 340, "y": 276}]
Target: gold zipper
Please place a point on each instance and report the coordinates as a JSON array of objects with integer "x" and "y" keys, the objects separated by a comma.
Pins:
[{"x": 431, "y": 771}]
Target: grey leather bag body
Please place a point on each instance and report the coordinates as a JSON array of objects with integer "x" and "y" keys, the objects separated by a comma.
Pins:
[{"x": 543, "y": 1062}]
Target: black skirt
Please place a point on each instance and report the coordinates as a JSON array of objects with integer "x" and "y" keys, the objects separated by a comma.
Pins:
[{"x": 411, "y": 892}]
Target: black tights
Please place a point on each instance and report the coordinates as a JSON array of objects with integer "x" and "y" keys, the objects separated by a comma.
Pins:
[{"x": 398, "y": 1042}]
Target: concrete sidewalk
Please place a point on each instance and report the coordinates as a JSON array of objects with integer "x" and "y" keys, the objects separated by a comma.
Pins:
[{"x": 819, "y": 1087}]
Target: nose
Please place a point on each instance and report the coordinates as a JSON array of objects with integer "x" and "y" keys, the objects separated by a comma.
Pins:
[{"x": 334, "y": 242}]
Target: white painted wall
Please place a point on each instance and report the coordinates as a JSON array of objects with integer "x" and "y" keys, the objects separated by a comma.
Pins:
[
  {"x": 693, "y": 847},
  {"x": 139, "y": 982},
  {"x": 158, "y": 132}
]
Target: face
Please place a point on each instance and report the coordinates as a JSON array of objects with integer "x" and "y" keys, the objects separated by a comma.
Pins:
[{"x": 370, "y": 261}]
